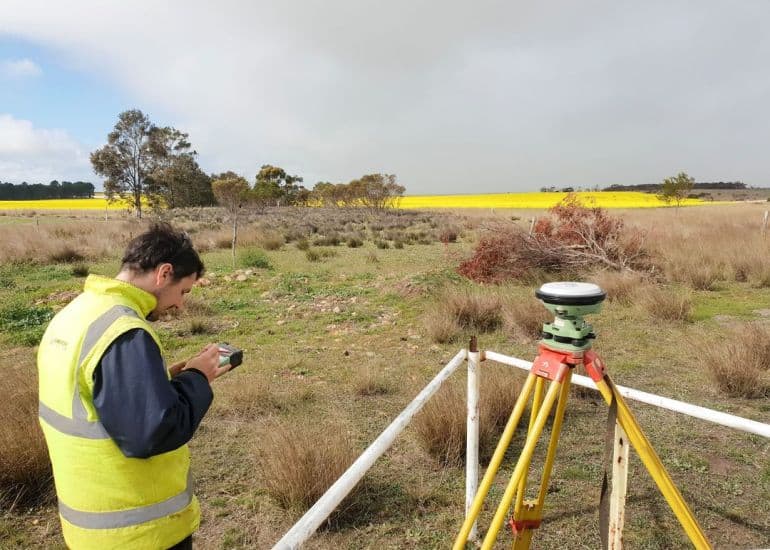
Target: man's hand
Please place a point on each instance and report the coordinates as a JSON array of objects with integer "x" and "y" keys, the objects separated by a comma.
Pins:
[
  {"x": 207, "y": 362},
  {"x": 176, "y": 368}
]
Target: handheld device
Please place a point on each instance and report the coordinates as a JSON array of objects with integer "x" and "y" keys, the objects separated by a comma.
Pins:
[{"x": 230, "y": 355}]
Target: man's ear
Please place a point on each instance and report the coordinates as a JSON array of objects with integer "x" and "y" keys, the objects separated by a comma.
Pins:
[{"x": 163, "y": 274}]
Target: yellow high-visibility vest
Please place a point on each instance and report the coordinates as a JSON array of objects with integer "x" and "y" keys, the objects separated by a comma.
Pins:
[{"x": 106, "y": 500}]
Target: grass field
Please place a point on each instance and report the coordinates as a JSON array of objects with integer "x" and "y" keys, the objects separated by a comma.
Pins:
[{"x": 339, "y": 340}]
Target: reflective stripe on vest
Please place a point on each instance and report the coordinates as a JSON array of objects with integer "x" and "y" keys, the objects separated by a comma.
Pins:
[
  {"x": 126, "y": 518},
  {"x": 78, "y": 425}
]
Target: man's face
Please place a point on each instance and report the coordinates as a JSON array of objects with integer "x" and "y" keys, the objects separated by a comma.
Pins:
[{"x": 170, "y": 292}]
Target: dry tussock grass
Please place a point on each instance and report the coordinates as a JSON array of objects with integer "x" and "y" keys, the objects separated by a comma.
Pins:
[
  {"x": 524, "y": 318},
  {"x": 458, "y": 309},
  {"x": 370, "y": 380},
  {"x": 270, "y": 240},
  {"x": 621, "y": 287},
  {"x": 246, "y": 396},
  {"x": 441, "y": 423},
  {"x": 739, "y": 361},
  {"x": 299, "y": 462},
  {"x": 25, "y": 471},
  {"x": 442, "y": 328},
  {"x": 667, "y": 304},
  {"x": 702, "y": 246},
  {"x": 700, "y": 272},
  {"x": 64, "y": 242}
]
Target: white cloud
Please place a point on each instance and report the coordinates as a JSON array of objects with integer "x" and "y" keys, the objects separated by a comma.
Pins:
[
  {"x": 494, "y": 95},
  {"x": 38, "y": 154},
  {"x": 20, "y": 68}
]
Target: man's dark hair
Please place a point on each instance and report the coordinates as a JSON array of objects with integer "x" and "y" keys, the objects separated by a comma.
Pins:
[{"x": 163, "y": 244}]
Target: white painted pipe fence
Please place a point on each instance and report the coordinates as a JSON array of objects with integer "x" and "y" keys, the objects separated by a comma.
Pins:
[{"x": 315, "y": 516}]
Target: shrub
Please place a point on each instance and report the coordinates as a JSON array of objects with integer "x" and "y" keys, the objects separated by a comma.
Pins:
[
  {"x": 704, "y": 277},
  {"x": 270, "y": 241},
  {"x": 462, "y": 309},
  {"x": 441, "y": 424},
  {"x": 398, "y": 244},
  {"x": 222, "y": 241},
  {"x": 572, "y": 238},
  {"x": 302, "y": 244},
  {"x": 243, "y": 398},
  {"x": 354, "y": 242},
  {"x": 299, "y": 462},
  {"x": 382, "y": 245},
  {"x": 667, "y": 305},
  {"x": 739, "y": 362},
  {"x": 80, "y": 270},
  {"x": 66, "y": 254},
  {"x": 200, "y": 326},
  {"x": 524, "y": 319},
  {"x": 254, "y": 258},
  {"x": 327, "y": 252},
  {"x": 312, "y": 255},
  {"x": 332, "y": 239},
  {"x": 474, "y": 310},
  {"x": 621, "y": 287},
  {"x": 442, "y": 328},
  {"x": 25, "y": 471},
  {"x": 371, "y": 381},
  {"x": 448, "y": 235}
]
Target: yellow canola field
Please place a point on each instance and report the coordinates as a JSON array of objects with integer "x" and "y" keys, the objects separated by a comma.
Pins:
[
  {"x": 603, "y": 199},
  {"x": 62, "y": 204},
  {"x": 622, "y": 199}
]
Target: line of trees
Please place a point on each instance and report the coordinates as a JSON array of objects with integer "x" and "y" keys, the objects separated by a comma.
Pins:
[
  {"x": 375, "y": 191},
  {"x": 656, "y": 187},
  {"x": 39, "y": 191},
  {"x": 145, "y": 164}
]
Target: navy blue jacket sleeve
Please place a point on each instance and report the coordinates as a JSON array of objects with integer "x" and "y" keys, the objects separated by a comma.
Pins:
[{"x": 144, "y": 412}]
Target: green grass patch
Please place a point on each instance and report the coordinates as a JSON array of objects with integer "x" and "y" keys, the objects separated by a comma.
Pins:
[
  {"x": 254, "y": 258},
  {"x": 737, "y": 300}
]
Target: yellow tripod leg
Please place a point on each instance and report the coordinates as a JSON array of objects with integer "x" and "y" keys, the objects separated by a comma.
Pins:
[
  {"x": 537, "y": 401},
  {"x": 534, "y": 510},
  {"x": 653, "y": 464},
  {"x": 494, "y": 463},
  {"x": 523, "y": 462}
]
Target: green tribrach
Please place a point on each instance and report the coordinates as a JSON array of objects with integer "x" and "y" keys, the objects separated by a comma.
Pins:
[{"x": 569, "y": 302}]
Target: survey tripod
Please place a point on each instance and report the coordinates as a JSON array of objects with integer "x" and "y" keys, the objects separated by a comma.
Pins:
[{"x": 565, "y": 344}]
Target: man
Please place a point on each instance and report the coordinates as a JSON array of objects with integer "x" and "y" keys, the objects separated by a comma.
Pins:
[{"x": 115, "y": 420}]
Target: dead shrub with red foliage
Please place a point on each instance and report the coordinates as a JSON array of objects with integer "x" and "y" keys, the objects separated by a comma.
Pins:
[{"x": 574, "y": 237}]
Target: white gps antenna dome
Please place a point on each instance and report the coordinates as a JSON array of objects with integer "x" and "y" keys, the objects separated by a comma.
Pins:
[{"x": 570, "y": 294}]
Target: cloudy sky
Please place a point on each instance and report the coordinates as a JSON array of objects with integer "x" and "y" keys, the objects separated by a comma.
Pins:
[{"x": 483, "y": 96}]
